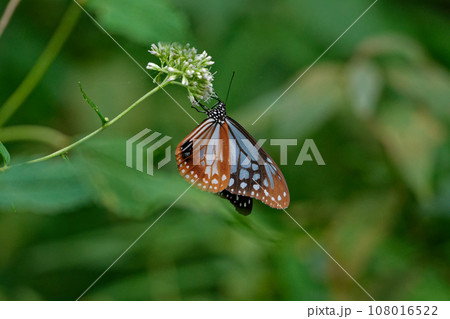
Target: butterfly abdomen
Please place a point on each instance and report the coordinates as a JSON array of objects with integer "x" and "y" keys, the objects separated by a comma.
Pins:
[{"x": 243, "y": 204}]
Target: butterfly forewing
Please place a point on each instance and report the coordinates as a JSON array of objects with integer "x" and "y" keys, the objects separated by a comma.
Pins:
[
  {"x": 253, "y": 173},
  {"x": 203, "y": 156}
]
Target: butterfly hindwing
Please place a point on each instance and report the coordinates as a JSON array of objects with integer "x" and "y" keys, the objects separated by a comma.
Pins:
[
  {"x": 203, "y": 156},
  {"x": 253, "y": 173}
]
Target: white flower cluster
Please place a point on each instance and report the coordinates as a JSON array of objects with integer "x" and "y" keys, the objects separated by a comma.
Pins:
[{"x": 184, "y": 66}]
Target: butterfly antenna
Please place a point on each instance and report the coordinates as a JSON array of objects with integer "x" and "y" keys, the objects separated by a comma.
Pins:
[{"x": 229, "y": 87}]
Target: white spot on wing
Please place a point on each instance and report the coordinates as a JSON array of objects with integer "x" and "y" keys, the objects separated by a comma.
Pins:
[
  {"x": 243, "y": 174},
  {"x": 246, "y": 162}
]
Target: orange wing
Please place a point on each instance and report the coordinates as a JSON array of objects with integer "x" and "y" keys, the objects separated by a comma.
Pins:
[{"x": 203, "y": 156}]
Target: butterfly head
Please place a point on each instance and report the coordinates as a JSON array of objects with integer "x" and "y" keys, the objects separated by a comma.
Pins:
[{"x": 218, "y": 113}]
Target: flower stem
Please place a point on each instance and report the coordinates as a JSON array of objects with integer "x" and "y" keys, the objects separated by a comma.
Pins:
[
  {"x": 106, "y": 125},
  {"x": 36, "y": 133},
  {"x": 60, "y": 36}
]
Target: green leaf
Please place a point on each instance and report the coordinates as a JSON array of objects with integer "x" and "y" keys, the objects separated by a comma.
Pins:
[
  {"x": 430, "y": 285},
  {"x": 47, "y": 187},
  {"x": 291, "y": 270},
  {"x": 306, "y": 106},
  {"x": 141, "y": 21},
  {"x": 127, "y": 191},
  {"x": 411, "y": 138},
  {"x": 359, "y": 227},
  {"x": 93, "y": 106},
  {"x": 426, "y": 84},
  {"x": 4, "y": 154},
  {"x": 365, "y": 84},
  {"x": 392, "y": 47}
]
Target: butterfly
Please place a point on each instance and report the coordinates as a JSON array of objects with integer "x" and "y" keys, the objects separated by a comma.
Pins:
[{"x": 221, "y": 157}]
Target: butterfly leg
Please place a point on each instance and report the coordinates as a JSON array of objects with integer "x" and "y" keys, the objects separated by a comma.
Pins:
[
  {"x": 200, "y": 111},
  {"x": 197, "y": 103}
]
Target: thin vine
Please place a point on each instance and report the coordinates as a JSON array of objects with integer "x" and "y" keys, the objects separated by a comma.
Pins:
[{"x": 179, "y": 65}]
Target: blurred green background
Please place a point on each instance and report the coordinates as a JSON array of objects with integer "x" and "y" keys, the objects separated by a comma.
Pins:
[{"x": 376, "y": 105}]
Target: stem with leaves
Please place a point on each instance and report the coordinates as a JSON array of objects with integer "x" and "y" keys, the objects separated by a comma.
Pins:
[
  {"x": 179, "y": 65},
  {"x": 105, "y": 125},
  {"x": 54, "y": 46}
]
